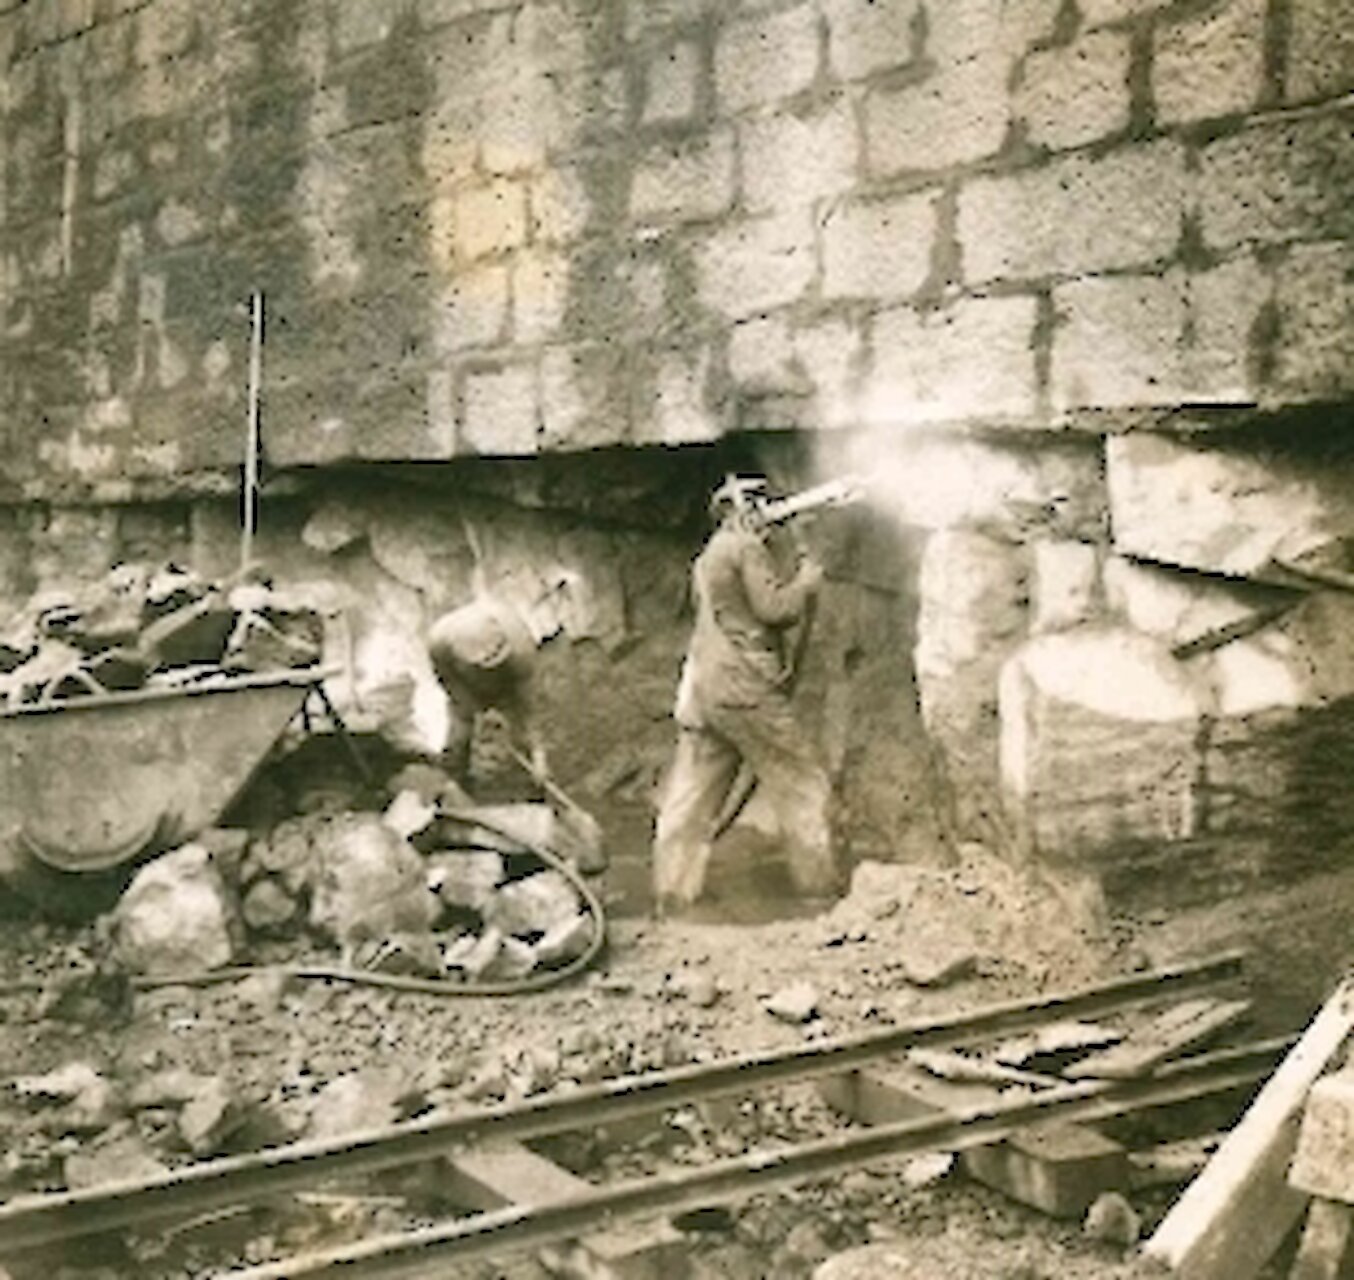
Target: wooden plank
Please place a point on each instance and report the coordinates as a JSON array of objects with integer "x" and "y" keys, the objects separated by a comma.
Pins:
[
  {"x": 493, "y": 1177},
  {"x": 1233, "y": 1216},
  {"x": 1169, "y": 1034},
  {"x": 1327, "y": 1249}
]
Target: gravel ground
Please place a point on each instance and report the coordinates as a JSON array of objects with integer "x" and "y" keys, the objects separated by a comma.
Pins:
[{"x": 666, "y": 994}]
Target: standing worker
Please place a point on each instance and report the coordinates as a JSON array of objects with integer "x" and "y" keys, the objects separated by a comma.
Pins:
[{"x": 733, "y": 708}]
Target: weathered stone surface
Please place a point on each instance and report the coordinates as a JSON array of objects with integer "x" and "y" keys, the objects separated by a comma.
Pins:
[
  {"x": 369, "y": 883},
  {"x": 755, "y": 265},
  {"x": 865, "y": 38},
  {"x": 1121, "y": 343},
  {"x": 972, "y": 615},
  {"x": 1096, "y": 12},
  {"x": 466, "y": 879},
  {"x": 672, "y": 83},
  {"x": 1320, "y": 49},
  {"x": 681, "y": 181},
  {"x": 880, "y": 248},
  {"x": 794, "y": 159},
  {"x": 1099, "y": 736},
  {"x": 1112, "y": 1219},
  {"x": 1323, "y": 1164},
  {"x": 1213, "y": 65},
  {"x": 973, "y": 360},
  {"x": 1314, "y": 298},
  {"x": 1222, "y": 509},
  {"x": 1277, "y": 182},
  {"x": 533, "y": 904},
  {"x": 1184, "y": 609},
  {"x": 502, "y": 411},
  {"x": 1065, "y": 585},
  {"x": 1078, "y": 214},
  {"x": 957, "y": 115},
  {"x": 1075, "y": 93},
  {"x": 176, "y": 916},
  {"x": 763, "y": 59}
]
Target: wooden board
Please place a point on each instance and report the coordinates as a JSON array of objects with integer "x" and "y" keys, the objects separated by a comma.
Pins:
[
  {"x": 1166, "y": 1036},
  {"x": 1236, "y": 1213}
]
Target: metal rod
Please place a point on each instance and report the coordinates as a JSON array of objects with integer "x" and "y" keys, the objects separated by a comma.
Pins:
[
  {"x": 34, "y": 1220},
  {"x": 252, "y": 436},
  {"x": 414, "y": 1253}
]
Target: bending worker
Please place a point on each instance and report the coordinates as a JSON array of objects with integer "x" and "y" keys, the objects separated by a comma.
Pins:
[{"x": 733, "y": 708}]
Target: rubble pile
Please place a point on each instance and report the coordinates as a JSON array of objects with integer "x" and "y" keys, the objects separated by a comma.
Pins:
[{"x": 141, "y": 626}]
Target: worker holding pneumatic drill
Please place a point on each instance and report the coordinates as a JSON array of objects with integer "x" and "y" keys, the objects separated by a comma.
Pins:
[{"x": 734, "y": 715}]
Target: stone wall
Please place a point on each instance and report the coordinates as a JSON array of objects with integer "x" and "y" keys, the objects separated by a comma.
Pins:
[
  {"x": 1068, "y": 279},
  {"x": 506, "y": 226}
]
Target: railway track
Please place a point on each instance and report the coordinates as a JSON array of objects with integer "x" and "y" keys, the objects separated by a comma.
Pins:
[{"x": 33, "y": 1222}]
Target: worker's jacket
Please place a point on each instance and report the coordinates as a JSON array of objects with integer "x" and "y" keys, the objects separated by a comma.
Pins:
[{"x": 743, "y": 606}]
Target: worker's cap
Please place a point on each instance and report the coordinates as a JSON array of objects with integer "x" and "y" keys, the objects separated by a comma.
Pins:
[{"x": 736, "y": 493}]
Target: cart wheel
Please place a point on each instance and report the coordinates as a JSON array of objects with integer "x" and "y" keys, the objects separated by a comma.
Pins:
[{"x": 69, "y": 896}]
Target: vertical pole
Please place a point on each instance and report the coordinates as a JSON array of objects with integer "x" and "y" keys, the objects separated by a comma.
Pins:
[{"x": 251, "y": 452}]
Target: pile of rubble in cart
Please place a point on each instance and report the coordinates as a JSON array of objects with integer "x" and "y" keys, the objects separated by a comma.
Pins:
[
  {"x": 1280, "y": 1180},
  {"x": 144, "y": 625}
]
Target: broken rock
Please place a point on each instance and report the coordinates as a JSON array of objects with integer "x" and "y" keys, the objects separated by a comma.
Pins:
[
  {"x": 360, "y": 1100},
  {"x": 119, "y": 1156},
  {"x": 797, "y": 1003},
  {"x": 176, "y": 916},
  {"x": 267, "y": 906},
  {"x": 567, "y": 941},
  {"x": 1113, "y": 1220},
  {"x": 209, "y": 1118},
  {"x": 534, "y": 904},
  {"x": 369, "y": 883},
  {"x": 467, "y": 878}
]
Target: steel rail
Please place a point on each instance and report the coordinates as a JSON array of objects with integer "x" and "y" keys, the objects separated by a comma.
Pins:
[
  {"x": 417, "y": 1253},
  {"x": 30, "y": 1221}
]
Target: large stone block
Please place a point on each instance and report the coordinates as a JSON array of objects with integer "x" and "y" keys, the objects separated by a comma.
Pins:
[
  {"x": 958, "y": 30},
  {"x": 1120, "y": 342},
  {"x": 490, "y": 218},
  {"x": 1279, "y": 181},
  {"x": 1320, "y": 49},
  {"x": 1323, "y": 1164},
  {"x": 676, "y": 404},
  {"x": 540, "y": 295},
  {"x": 819, "y": 365},
  {"x": 1315, "y": 304},
  {"x": 793, "y": 159},
  {"x": 672, "y": 83},
  {"x": 1223, "y": 509},
  {"x": 1227, "y": 308},
  {"x": 472, "y": 311},
  {"x": 865, "y": 38},
  {"x": 584, "y": 397},
  {"x": 1099, "y": 732},
  {"x": 972, "y": 614},
  {"x": 756, "y": 264},
  {"x": 682, "y": 181},
  {"x": 879, "y": 248},
  {"x": 1066, "y": 585},
  {"x": 1184, "y": 609},
  {"x": 972, "y": 360},
  {"x": 765, "y": 59},
  {"x": 1076, "y": 93},
  {"x": 955, "y": 116},
  {"x": 502, "y": 415},
  {"x": 1077, "y": 215},
  {"x": 1211, "y": 65}
]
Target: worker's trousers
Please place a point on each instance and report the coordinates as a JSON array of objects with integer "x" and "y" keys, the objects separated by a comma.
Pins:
[{"x": 768, "y": 739}]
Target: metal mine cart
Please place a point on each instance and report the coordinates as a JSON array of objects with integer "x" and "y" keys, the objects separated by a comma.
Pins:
[{"x": 89, "y": 783}]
